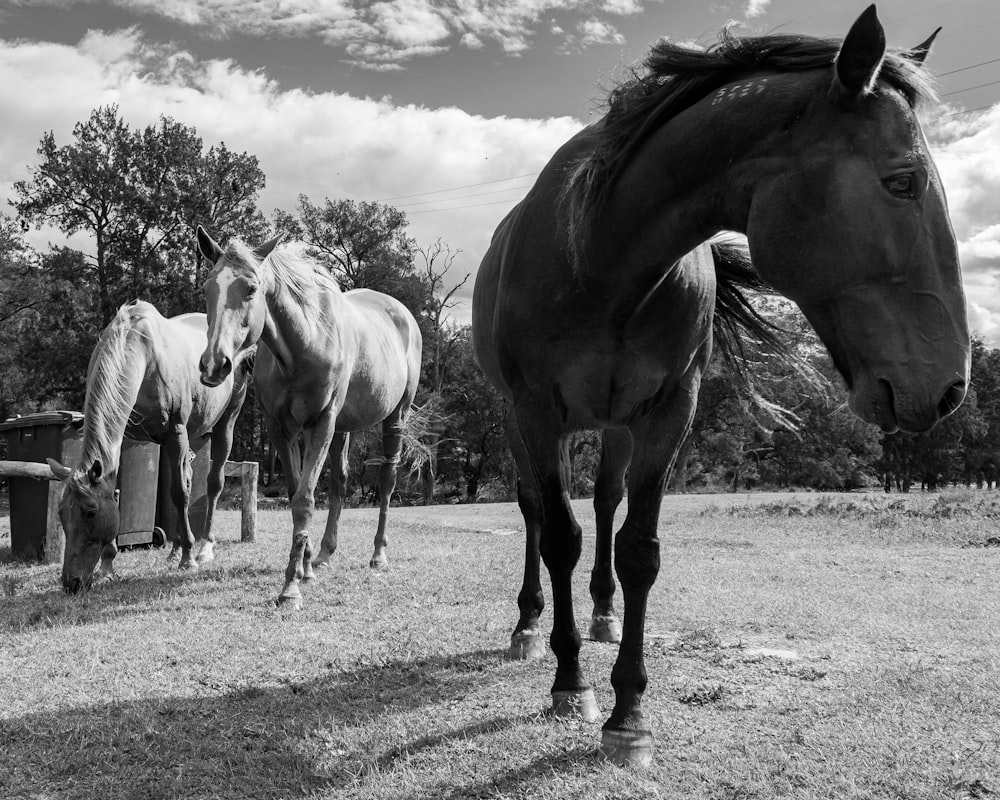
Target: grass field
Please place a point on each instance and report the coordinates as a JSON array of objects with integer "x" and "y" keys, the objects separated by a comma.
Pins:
[{"x": 806, "y": 647}]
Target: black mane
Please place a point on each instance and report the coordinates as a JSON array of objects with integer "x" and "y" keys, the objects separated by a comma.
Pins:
[{"x": 673, "y": 77}]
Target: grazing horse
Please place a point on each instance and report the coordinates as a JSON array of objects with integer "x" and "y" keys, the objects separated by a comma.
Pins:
[
  {"x": 143, "y": 384},
  {"x": 330, "y": 362},
  {"x": 594, "y": 305}
]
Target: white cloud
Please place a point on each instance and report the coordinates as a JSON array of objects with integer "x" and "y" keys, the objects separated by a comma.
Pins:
[
  {"x": 622, "y": 7},
  {"x": 390, "y": 31},
  {"x": 594, "y": 31},
  {"x": 966, "y": 150},
  {"x": 756, "y": 7},
  {"x": 320, "y": 144}
]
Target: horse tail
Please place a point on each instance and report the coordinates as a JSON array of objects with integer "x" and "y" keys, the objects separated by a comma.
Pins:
[
  {"x": 422, "y": 434},
  {"x": 738, "y": 324}
]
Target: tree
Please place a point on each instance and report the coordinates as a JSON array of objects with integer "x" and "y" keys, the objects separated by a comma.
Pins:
[
  {"x": 364, "y": 245},
  {"x": 138, "y": 194}
]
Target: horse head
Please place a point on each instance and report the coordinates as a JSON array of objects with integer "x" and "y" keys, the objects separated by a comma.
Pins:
[
  {"x": 89, "y": 515},
  {"x": 236, "y": 304},
  {"x": 855, "y": 229}
]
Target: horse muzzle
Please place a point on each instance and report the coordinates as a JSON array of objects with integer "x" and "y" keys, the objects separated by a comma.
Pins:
[
  {"x": 215, "y": 374},
  {"x": 891, "y": 409}
]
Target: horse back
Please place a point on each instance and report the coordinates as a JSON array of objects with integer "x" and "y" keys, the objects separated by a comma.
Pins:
[{"x": 171, "y": 392}]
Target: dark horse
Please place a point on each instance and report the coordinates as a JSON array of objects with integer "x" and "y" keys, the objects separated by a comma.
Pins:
[{"x": 594, "y": 306}]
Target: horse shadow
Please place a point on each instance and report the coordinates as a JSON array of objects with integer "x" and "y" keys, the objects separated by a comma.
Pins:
[{"x": 291, "y": 739}]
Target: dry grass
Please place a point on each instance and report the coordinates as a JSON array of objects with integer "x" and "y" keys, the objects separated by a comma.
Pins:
[{"x": 840, "y": 648}]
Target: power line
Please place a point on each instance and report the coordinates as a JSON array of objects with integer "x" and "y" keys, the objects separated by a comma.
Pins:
[
  {"x": 924, "y": 11},
  {"x": 462, "y": 208},
  {"x": 970, "y": 88},
  {"x": 456, "y": 188},
  {"x": 971, "y": 66},
  {"x": 968, "y": 111},
  {"x": 461, "y": 197}
]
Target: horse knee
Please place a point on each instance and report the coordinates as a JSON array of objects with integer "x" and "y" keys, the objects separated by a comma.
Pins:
[{"x": 637, "y": 558}]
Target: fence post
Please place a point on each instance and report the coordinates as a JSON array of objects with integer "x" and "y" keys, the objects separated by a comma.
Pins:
[{"x": 248, "y": 493}]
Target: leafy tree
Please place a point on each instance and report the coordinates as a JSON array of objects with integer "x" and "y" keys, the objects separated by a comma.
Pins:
[
  {"x": 138, "y": 194},
  {"x": 364, "y": 245}
]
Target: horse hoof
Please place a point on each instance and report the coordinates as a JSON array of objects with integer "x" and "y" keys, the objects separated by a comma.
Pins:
[
  {"x": 321, "y": 561},
  {"x": 606, "y": 629},
  {"x": 308, "y": 576},
  {"x": 206, "y": 556},
  {"x": 290, "y": 602},
  {"x": 627, "y": 748},
  {"x": 526, "y": 646},
  {"x": 576, "y": 703},
  {"x": 188, "y": 566},
  {"x": 379, "y": 562}
]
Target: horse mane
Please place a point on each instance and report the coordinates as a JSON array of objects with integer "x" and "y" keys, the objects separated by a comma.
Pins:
[
  {"x": 305, "y": 278},
  {"x": 112, "y": 385},
  {"x": 674, "y": 77}
]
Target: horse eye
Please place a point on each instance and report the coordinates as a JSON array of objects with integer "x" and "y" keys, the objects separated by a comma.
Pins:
[
  {"x": 901, "y": 186},
  {"x": 251, "y": 290}
]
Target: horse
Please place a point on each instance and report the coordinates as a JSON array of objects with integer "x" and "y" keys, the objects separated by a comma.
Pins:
[
  {"x": 143, "y": 384},
  {"x": 329, "y": 363},
  {"x": 595, "y": 303}
]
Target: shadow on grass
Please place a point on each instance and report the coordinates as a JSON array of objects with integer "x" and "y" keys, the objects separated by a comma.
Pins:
[
  {"x": 344, "y": 730},
  {"x": 26, "y": 610}
]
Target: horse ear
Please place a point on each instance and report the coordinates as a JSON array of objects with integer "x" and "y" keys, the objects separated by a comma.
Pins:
[
  {"x": 95, "y": 472},
  {"x": 262, "y": 251},
  {"x": 61, "y": 472},
  {"x": 860, "y": 56},
  {"x": 919, "y": 53},
  {"x": 207, "y": 246}
]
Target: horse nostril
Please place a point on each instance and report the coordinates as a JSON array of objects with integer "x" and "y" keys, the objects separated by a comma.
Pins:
[
  {"x": 953, "y": 397},
  {"x": 226, "y": 367}
]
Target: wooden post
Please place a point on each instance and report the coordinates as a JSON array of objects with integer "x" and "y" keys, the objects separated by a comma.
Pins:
[
  {"x": 55, "y": 536},
  {"x": 248, "y": 472},
  {"x": 248, "y": 493}
]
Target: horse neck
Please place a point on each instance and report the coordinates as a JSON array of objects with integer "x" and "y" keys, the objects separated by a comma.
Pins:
[
  {"x": 696, "y": 175},
  {"x": 292, "y": 331},
  {"x": 116, "y": 377}
]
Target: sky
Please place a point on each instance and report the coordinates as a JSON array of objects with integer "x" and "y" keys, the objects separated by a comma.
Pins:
[{"x": 447, "y": 109}]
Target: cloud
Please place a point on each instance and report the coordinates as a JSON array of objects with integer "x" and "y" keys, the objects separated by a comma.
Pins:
[
  {"x": 319, "y": 144},
  {"x": 593, "y": 31},
  {"x": 389, "y": 32},
  {"x": 966, "y": 149},
  {"x": 756, "y": 7}
]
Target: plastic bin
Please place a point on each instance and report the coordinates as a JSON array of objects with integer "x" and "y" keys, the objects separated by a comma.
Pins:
[
  {"x": 197, "y": 498},
  {"x": 35, "y": 531},
  {"x": 137, "y": 488}
]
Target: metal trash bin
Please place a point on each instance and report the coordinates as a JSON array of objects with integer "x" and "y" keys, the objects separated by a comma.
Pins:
[
  {"x": 35, "y": 531},
  {"x": 138, "y": 472}
]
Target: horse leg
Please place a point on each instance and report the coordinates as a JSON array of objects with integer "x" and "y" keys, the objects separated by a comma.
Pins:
[
  {"x": 222, "y": 444},
  {"x": 317, "y": 445},
  {"x": 339, "y": 448},
  {"x": 626, "y": 738},
  {"x": 559, "y": 545},
  {"x": 179, "y": 476},
  {"x": 609, "y": 488},
  {"x": 392, "y": 442},
  {"x": 526, "y": 642}
]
